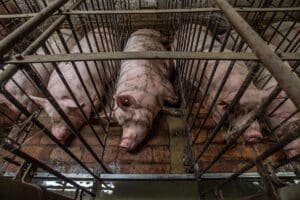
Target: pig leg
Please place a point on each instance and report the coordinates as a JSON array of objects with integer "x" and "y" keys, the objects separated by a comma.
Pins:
[
  {"x": 172, "y": 111},
  {"x": 169, "y": 94}
]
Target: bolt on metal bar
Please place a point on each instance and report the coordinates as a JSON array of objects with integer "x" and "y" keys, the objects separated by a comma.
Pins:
[
  {"x": 10, "y": 148},
  {"x": 119, "y": 55},
  {"x": 285, "y": 78},
  {"x": 8, "y": 42}
]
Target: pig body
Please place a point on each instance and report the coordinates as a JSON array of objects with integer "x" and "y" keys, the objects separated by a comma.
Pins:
[
  {"x": 142, "y": 88},
  {"x": 248, "y": 102},
  {"x": 264, "y": 81},
  {"x": 278, "y": 118},
  {"x": 9, "y": 112},
  {"x": 283, "y": 112},
  {"x": 60, "y": 93}
]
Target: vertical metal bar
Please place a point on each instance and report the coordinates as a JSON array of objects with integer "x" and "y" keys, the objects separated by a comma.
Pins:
[
  {"x": 47, "y": 132},
  {"x": 239, "y": 94},
  {"x": 281, "y": 143},
  {"x": 243, "y": 128}
]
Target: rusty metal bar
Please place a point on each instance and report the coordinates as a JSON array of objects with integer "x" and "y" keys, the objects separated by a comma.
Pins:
[
  {"x": 10, "y": 148},
  {"x": 8, "y": 42},
  {"x": 142, "y": 55},
  {"x": 285, "y": 78}
]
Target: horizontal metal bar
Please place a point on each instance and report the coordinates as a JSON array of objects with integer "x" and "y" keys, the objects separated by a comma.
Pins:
[
  {"x": 112, "y": 177},
  {"x": 8, "y": 42},
  {"x": 142, "y": 55},
  {"x": 151, "y": 11},
  {"x": 183, "y": 10},
  {"x": 15, "y": 16},
  {"x": 283, "y": 75}
]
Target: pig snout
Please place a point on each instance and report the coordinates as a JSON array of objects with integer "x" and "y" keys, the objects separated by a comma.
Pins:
[
  {"x": 253, "y": 134},
  {"x": 60, "y": 132},
  {"x": 128, "y": 143},
  {"x": 132, "y": 136}
]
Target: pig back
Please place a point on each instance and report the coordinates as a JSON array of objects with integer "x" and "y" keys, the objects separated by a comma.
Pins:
[
  {"x": 94, "y": 74},
  {"x": 147, "y": 40}
]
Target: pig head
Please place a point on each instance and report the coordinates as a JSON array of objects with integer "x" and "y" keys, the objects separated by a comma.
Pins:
[
  {"x": 135, "y": 118},
  {"x": 247, "y": 104},
  {"x": 60, "y": 128}
]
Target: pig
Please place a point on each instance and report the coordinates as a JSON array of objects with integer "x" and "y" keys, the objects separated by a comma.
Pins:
[
  {"x": 60, "y": 93},
  {"x": 9, "y": 113},
  {"x": 278, "y": 118},
  {"x": 265, "y": 82},
  {"x": 281, "y": 113},
  {"x": 251, "y": 99},
  {"x": 142, "y": 88}
]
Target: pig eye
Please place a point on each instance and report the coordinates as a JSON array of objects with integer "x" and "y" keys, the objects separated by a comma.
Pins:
[{"x": 126, "y": 103}]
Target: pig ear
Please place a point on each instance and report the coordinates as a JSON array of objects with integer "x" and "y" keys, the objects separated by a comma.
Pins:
[
  {"x": 70, "y": 103},
  {"x": 41, "y": 101},
  {"x": 125, "y": 101},
  {"x": 224, "y": 103}
]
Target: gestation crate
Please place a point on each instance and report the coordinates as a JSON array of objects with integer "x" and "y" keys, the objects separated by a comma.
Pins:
[{"x": 233, "y": 131}]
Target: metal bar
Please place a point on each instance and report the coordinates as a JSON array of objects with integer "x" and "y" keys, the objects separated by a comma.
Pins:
[
  {"x": 184, "y": 10},
  {"x": 240, "y": 131},
  {"x": 112, "y": 177},
  {"x": 281, "y": 143},
  {"x": 224, "y": 117},
  {"x": 143, "y": 55},
  {"x": 285, "y": 78},
  {"x": 10, "y": 148},
  {"x": 47, "y": 132},
  {"x": 152, "y": 11},
  {"x": 15, "y": 16},
  {"x": 8, "y": 42}
]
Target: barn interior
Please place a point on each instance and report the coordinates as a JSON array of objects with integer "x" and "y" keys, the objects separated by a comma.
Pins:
[{"x": 187, "y": 154}]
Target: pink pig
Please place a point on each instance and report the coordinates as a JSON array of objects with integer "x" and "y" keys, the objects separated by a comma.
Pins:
[
  {"x": 56, "y": 87},
  {"x": 282, "y": 113},
  {"x": 22, "y": 79},
  {"x": 248, "y": 102},
  {"x": 267, "y": 83},
  {"x": 142, "y": 88}
]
